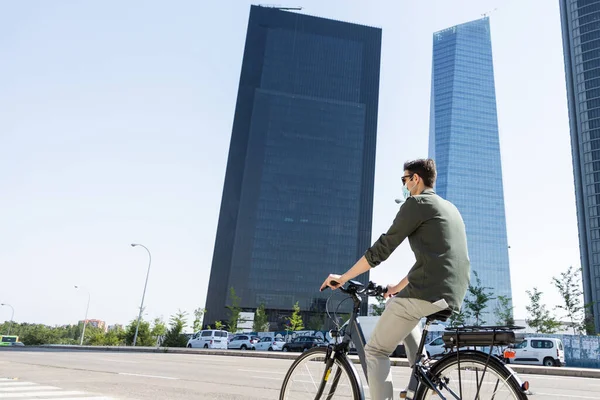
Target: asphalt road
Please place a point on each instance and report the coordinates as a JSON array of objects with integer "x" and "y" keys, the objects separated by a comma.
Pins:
[{"x": 78, "y": 375}]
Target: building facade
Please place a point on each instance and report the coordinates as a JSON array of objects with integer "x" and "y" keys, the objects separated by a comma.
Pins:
[
  {"x": 464, "y": 142},
  {"x": 581, "y": 46},
  {"x": 297, "y": 200}
]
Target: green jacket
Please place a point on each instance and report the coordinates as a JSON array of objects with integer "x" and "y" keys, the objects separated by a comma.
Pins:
[{"x": 436, "y": 233}]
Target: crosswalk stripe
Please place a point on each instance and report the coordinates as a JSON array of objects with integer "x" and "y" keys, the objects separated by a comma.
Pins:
[
  {"x": 82, "y": 398},
  {"x": 7, "y": 379},
  {"x": 27, "y": 388},
  {"x": 15, "y": 383},
  {"x": 37, "y": 394}
]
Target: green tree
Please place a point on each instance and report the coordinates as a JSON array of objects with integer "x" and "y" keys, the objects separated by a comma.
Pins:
[
  {"x": 477, "y": 300},
  {"x": 540, "y": 318},
  {"x": 380, "y": 306},
  {"x": 504, "y": 311},
  {"x": 159, "y": 329},
  {"x": 218, "y": 325},
  {"x": 588, "y": 321},
  {"x": 261, "y": 321},
  {"x": 198, "y": 316},
  {"x": 94, "y": 336},
  {"x": 114, "y": 337},
  {"x": 234, "y": 311},
  {"x": 144, "y": 337},
  {"x": 40, "y": 334},
  {"x": 175, "y": 336},
  {"x": 459, "y": 318},
  {"x": 569, "y": 287},
  {"x": 295, "y": 321}
]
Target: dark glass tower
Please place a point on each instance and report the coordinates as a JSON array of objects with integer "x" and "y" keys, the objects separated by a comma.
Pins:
[
  {"x": 298, "y": 196},
  {"x": 463, "y": 140},
  {"x": 581, "y": 46}
]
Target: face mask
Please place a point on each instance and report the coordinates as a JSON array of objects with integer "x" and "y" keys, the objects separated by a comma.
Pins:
[{"x": 405, "y": 191}]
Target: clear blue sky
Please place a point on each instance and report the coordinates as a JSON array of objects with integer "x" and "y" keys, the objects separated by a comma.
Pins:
[{"x": 115, "y": 120}]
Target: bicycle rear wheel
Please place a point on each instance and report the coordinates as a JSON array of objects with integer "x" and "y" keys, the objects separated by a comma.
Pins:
[
  {"x": 476, "y": 380},
  {"x": 308, "y": 378}
]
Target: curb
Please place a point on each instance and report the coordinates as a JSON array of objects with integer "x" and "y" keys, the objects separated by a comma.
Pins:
[{"x": 397, "y": 362}]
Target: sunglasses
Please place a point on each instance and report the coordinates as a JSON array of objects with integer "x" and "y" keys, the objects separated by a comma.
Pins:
[{"x": 404, "y": 178}]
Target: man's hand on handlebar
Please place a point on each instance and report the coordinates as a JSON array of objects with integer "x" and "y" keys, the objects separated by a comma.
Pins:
[
  {"x": 333, "y": 281},
  {"x": 392, "y": 290}
]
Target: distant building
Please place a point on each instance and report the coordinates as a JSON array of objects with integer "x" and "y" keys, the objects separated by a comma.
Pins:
[
  {"x": 464, "y": 141},
  {"x": 115, "y": 327},
  {"x": 96, "y": 323}
]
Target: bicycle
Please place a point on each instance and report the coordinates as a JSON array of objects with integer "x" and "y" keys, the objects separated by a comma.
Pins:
[{"x": 441, "y": 379}]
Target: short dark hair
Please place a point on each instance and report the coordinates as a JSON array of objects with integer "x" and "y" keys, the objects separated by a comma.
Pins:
[{"x": 425, "y": 168}]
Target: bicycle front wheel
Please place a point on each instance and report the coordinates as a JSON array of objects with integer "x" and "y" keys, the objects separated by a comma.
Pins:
[
  {"x": 473, "y": 380},
  {"x": 308, "y": 378}
]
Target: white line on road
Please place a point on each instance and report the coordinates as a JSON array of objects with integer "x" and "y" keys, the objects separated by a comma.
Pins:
[
  {"x": 148, "y": 376},
  {"x": 83, "y": 398},
  {"x": 16, "y": 383},
  {"x": 554, "y": 377},
  {"x": 27, "y": 388},
  {"x": 38, "y": 394},
  {"x": 120, "y": 361},
  {"x": 570, "y": 396},
  {"x": 268, "y": 377},
  {"x": 261, "y": 372}
]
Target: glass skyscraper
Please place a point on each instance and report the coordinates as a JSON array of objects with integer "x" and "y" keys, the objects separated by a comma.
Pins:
[
  {"x": 581, "y": 46},
  {"x": 463, "y": 140},
  {"x": 297, "y": 201}
]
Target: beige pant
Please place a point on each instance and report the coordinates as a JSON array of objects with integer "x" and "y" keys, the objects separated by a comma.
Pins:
[{"x": 399, "y": 322}]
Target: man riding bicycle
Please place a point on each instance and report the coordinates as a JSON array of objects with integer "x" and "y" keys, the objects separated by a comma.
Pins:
[{"x": 438, "y": 280}]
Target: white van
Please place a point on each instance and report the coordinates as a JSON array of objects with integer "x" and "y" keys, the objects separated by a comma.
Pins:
[
  {"x": 209, "y": 339},
  {"x": 539, "y": 351}
]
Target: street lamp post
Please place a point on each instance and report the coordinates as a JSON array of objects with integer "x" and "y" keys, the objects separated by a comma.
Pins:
[
  {"x": 86, "y": 314},
  {"x": 144, "y": 293},
  {"x": 12, "y": 316}
]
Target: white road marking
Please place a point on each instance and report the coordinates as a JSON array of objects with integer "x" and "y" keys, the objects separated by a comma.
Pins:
[
  {"x": 262, "y": 372},
  {"x": 148, "y": 376},
  {"x": 120, "y": 361},
  {"x": 268, "y": 377},
  {"x": 15, "y": 383},
  {"x": 82, "y": 398},
  {"x": 38, "y": 394},
  {"x": 27, "y": 388},
  {"x": 570, "y": 396}
]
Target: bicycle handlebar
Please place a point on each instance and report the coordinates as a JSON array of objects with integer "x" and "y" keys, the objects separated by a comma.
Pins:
[{"x": 372, "y": 288}]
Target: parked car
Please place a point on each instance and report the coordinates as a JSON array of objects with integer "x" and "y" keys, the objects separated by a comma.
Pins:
[
  {"x": 435, "y": 347},
  {"x": 302, "y": 343},
  {"x": 367, "y": 324},
  {"x": 241, "y": 342},
  {"x": 270, "y": 344},
  {"x": 539, "y": 351},
  {"x": 209, "y": 339}
]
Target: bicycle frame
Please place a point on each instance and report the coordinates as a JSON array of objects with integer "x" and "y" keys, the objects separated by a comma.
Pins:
[{"x": 355, "y": 334}]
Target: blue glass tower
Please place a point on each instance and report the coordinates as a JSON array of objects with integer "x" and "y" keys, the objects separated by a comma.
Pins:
[
  {"x": 463, "y": 140},
  {"x": 298, "y": 195},
  {"x": 581, "y": 46}
]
